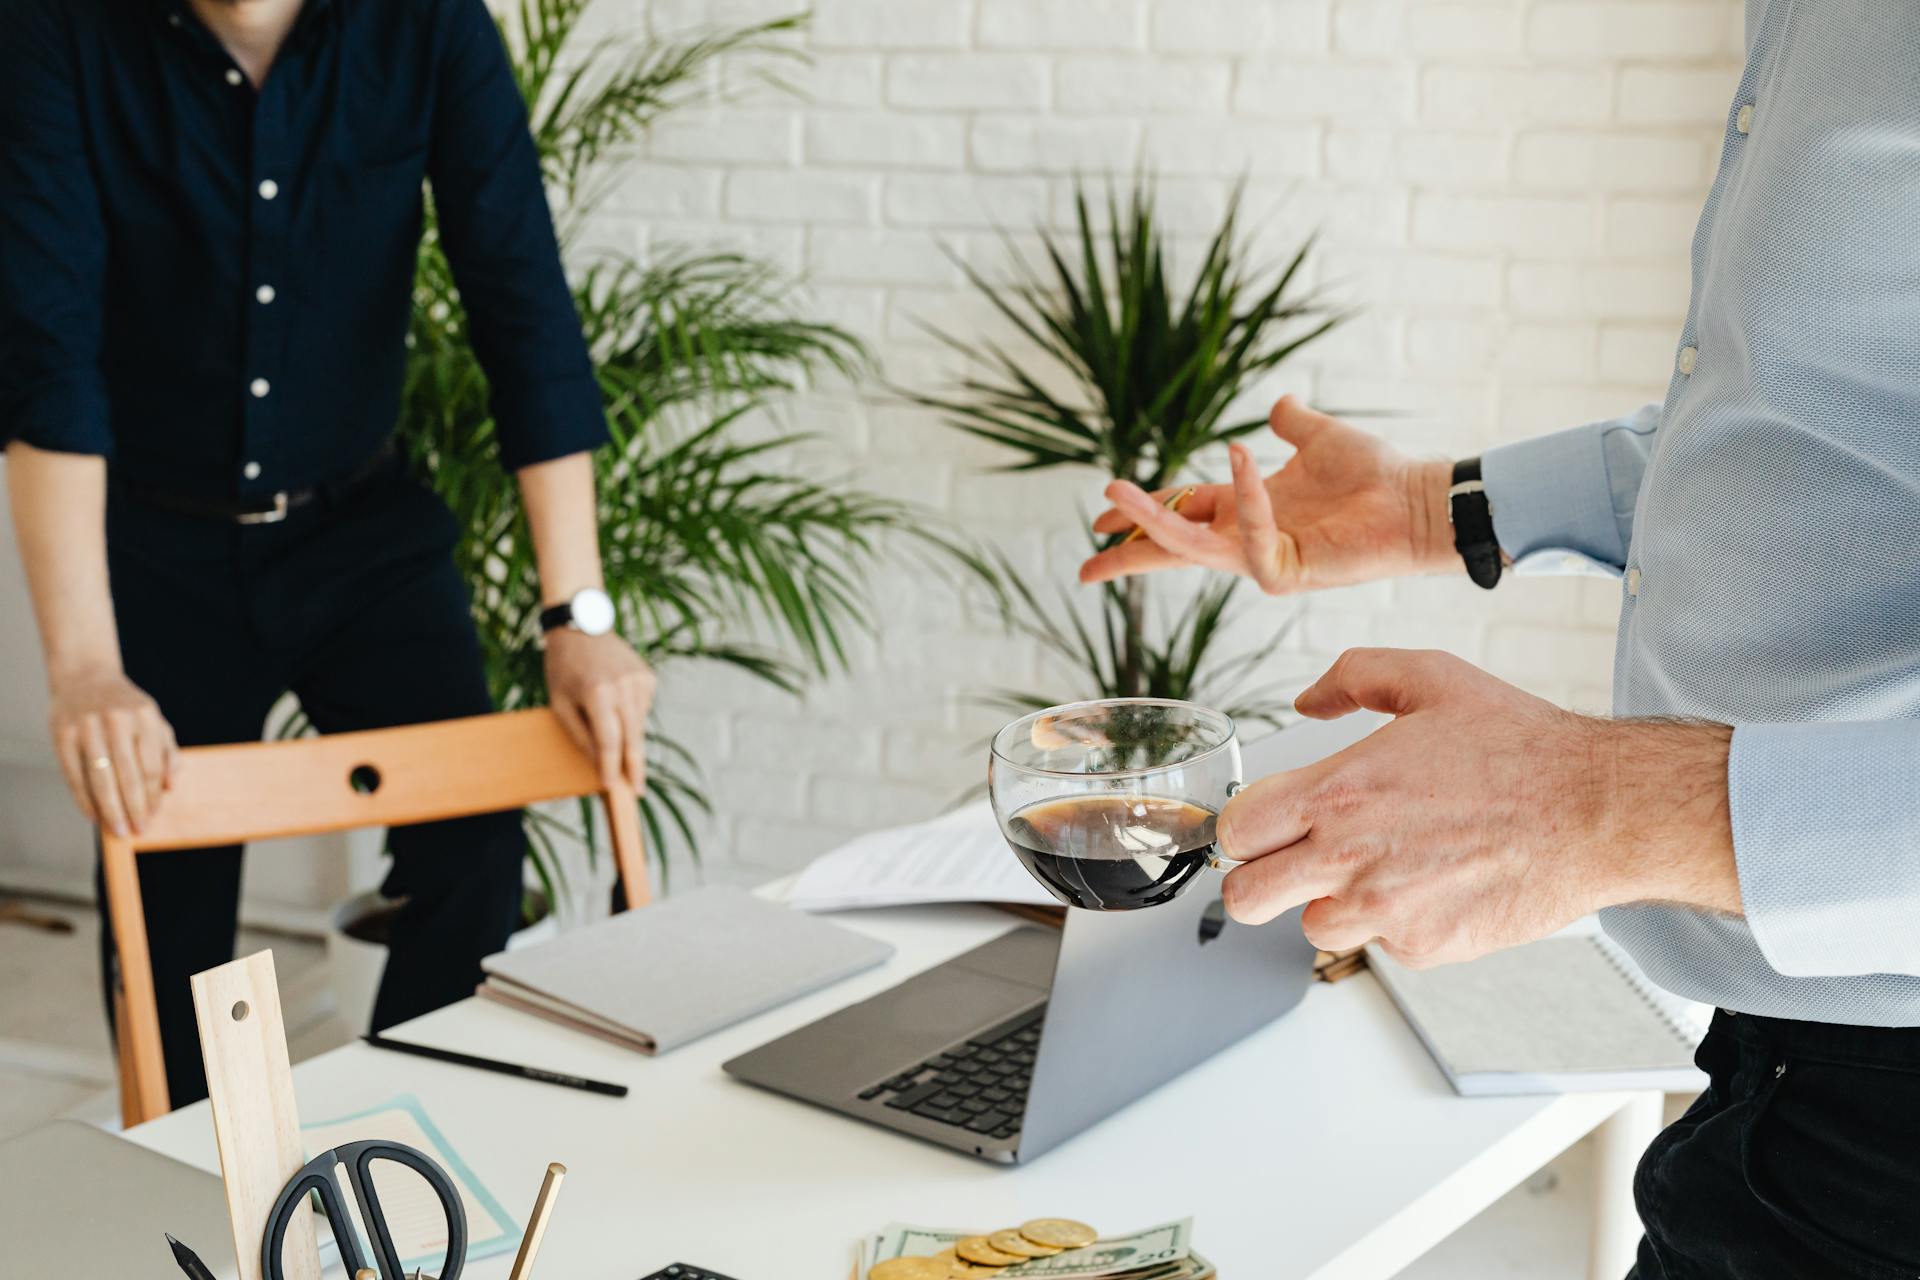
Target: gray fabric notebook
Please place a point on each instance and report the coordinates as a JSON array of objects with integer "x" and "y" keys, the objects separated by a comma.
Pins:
[
  {"x": 1563, "y": 1015},
  {"x": 667, "y": 974}
]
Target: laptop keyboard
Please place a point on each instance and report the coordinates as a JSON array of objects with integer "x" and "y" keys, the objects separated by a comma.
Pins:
[{"x": 979, "y": 1085}]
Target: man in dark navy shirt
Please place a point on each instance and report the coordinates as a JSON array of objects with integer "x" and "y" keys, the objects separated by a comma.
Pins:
[{"x": 209, "y": 217}]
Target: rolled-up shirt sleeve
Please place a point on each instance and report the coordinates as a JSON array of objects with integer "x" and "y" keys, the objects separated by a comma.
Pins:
[
  {"x": 1564, "y": 502},
  {"x": 52, "y": 245},
  {"x": 498, "y": 234},
  {"x": 1826, "y": 835}
]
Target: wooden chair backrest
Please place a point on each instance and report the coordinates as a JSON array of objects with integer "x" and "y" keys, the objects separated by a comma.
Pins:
[
  {"x": 417, "y": 773},
  {"x": 336, "y": 782}
]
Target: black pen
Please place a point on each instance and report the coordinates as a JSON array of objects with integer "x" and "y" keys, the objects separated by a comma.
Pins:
[
  {"x": 189, "y": 1260},
  {"x": 504, "y": 1068}
]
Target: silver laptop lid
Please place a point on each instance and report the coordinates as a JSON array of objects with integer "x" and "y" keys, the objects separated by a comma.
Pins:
[
  {"x": 1140, "y": 996},
  {"x": 82, "y": 1202}
]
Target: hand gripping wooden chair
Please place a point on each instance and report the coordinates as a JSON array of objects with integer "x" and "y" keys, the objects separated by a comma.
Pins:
[{"x": 256, "y": 791}]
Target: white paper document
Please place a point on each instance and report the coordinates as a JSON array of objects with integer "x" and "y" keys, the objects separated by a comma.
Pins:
[{"x": 959, "y": 856}]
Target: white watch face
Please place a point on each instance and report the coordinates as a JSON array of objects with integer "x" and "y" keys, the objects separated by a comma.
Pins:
[{"x": 592, "y": 612}]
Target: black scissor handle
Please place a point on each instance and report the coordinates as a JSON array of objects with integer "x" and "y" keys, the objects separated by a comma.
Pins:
[
  {"x": 359, "y": 1157},
  {"x": 315, "y": 1178}
]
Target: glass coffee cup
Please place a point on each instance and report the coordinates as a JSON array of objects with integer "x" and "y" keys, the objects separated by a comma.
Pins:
[{"x": 1112, "y": 804}]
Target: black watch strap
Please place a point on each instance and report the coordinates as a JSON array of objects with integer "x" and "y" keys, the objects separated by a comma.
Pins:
[
  {"x": 1472, "y": 518},
  {"x": 559, "y": 615}
]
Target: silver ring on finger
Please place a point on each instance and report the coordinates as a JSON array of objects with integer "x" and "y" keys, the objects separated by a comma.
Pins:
[{"x": 103, "y": 763}]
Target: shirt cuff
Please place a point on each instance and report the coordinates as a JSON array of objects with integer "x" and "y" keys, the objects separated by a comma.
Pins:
[
  {"x": 68, "y": 416},
  {"x": 1826, "y": 835},
  {"x": 543, "y": 421},
  {"x": 1553, "y": 494}
]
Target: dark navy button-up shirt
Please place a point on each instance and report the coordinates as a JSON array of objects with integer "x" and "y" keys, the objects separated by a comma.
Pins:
[{"x": 211, "y": 285}]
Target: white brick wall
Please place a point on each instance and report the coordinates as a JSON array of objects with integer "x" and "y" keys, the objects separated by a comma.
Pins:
[{"x": 1505, "y": 186}]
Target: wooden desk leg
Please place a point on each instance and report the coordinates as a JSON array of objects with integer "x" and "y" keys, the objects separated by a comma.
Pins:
[{"x": 1618, "y": 1146}]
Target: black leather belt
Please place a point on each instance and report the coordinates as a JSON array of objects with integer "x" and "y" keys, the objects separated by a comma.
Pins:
[{"x": 269, "y": 510}]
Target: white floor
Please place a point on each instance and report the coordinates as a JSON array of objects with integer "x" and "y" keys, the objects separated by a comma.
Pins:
[
  {"x": 55, "y": 1060},
  {"x": 55, "y": 1055}
]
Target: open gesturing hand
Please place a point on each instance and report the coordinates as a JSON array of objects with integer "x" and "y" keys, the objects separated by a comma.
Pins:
[{"x": 1345, "y": 508}]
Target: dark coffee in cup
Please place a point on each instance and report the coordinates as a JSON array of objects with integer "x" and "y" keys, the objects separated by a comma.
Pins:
[{"x": 1113, "y": 852}]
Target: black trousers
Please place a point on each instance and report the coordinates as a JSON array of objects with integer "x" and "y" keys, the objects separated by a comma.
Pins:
[
  {"x": 356, "y": 607},
  {"x": 1802, "y": 1158}
]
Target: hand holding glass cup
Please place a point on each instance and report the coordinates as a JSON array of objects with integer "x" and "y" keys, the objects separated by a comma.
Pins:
[{"x": 1111, "y": 805}]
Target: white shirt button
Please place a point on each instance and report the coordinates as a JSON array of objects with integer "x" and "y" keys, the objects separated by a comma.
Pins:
[
  {"x": 260, "y": 387},
  {"x": 251, "y": 471},
  {"x": 234, "y": 77},
  {"x": 1633, "y": 582},
  {"x": 269, "y": 189},
  {"x": 1744, "y": 121},
  {"x": 1688, "y": 357},
  {"x": 264, "y": 294}
]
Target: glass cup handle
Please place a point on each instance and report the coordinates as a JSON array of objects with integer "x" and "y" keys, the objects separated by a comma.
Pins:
[{"x": 1214, "y": 860}]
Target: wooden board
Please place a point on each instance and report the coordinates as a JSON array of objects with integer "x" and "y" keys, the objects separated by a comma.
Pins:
[{"x": 255, "y": 1122}]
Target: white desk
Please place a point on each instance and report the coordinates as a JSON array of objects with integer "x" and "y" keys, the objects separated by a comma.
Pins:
[{"x": 1325, "y": 1146}]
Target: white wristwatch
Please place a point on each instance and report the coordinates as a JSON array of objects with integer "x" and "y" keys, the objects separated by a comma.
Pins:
[{"x": 590, "y": 612}]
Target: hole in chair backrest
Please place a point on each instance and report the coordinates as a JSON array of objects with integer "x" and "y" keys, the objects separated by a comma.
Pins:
[
  {"x": 240, "y": 1011},
  {"x": 364, "y": 778}
]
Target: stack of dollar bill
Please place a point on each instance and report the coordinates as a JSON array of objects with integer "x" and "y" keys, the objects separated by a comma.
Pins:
[{"x": 1043, "y": 1248}]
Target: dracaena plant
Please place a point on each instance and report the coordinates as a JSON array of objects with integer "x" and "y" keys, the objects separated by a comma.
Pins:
[
  {"x": 708, "y": 531},
  {"x": 1154, "y": 372}
]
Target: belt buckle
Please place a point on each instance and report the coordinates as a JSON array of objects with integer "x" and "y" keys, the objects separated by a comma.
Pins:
[{"x": 274, "y": 515}]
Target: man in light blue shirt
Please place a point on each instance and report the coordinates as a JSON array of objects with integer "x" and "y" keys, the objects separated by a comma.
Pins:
[{"x": 1748, "y": 824}]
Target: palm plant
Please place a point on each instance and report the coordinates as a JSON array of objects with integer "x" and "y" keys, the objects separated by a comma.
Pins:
[
  {"x": 1154, "y": 377},
  {"x": 1174, "y": 649},
  {"x": 706, "y": 530}
]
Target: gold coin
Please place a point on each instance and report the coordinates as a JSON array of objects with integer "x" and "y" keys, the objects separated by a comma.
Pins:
[
  {"x": 1062, "y": 1233},
  {"x": 1011, "y": 1241},
  {"x": 909, "y": 1269},
  {"x": 976, "y": 1249},
  {"x": 961, "y": 1269}
]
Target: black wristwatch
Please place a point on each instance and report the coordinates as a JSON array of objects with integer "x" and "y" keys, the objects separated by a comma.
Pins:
[{"x": 1472, "y": 518}]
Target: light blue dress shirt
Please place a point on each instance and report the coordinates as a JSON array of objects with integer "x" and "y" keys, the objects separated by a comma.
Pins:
[{"x": 1765, "y": 523}]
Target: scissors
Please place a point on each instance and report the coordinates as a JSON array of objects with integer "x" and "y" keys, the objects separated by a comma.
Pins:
[{"x": 317, "y": 1178}]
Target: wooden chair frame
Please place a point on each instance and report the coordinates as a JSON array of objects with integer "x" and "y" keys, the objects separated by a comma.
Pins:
[{"x": 258, "y": 791}]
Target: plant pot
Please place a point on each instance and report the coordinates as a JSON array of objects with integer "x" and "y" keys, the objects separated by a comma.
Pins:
[{"x": 357, "y": 934}]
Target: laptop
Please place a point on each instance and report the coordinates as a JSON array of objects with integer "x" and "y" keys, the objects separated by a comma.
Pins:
[
  {"x": 1010, "y": 1049},
  {"x": 83, "y": 1202}
]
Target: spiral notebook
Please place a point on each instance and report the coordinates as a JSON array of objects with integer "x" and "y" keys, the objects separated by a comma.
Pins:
[{"x": 1569, "y": 1014}]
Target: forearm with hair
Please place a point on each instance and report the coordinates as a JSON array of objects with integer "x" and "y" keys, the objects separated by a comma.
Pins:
[{"x": 1662, "y": 786}]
